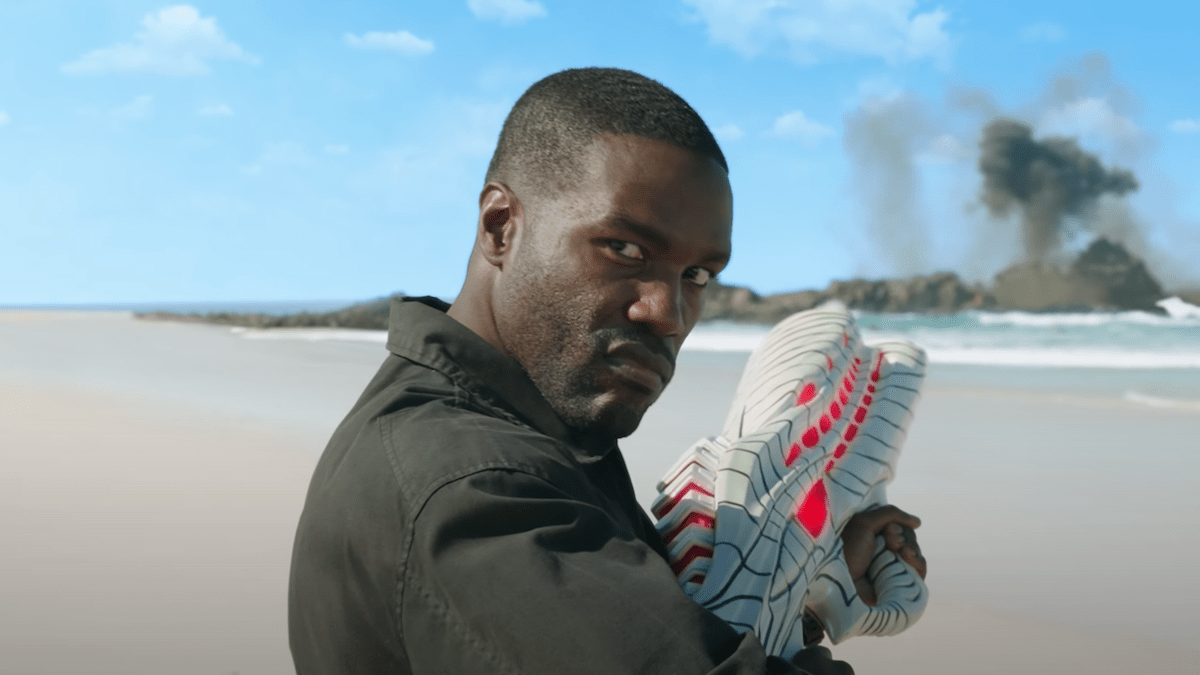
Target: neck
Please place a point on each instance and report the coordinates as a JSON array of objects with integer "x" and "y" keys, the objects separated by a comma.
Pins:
[{"x": 473, "y": 309}]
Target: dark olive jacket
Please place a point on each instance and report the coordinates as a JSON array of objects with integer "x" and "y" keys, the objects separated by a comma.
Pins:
[{"x": 451, "y": 527}]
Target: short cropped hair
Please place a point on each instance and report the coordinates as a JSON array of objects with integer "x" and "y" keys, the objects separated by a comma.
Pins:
[{"x": 556, "y": 118}]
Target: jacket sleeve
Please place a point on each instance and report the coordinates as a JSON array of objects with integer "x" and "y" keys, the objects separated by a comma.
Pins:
[{"x": 506, "y": 573}]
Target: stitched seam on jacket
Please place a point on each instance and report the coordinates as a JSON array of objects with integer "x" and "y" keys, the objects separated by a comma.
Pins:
[
  {"x": 486, "y": 406},
  {"x": 464, "y": 630},
  {"x": 408, "y": 579},
  {"x": 416, "y": 506},
  {"x": 482, "y": 467},
  {"x": 455, "y": 625},
  {"x": 405, "y": 546}
]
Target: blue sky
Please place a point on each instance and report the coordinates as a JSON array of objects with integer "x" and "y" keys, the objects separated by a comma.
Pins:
[{"x": 248, "y": 150}]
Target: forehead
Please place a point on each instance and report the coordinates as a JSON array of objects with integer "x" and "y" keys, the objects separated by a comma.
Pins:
[{"x": 660, "y": 185}]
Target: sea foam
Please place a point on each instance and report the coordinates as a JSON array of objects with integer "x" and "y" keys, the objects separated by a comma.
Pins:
[
  {"x": 1112, "y": 340},
  {"x": 1134, "y": 396},
  {"x": 313, "y": 334},
  {"x": 1116, "y": 340}
]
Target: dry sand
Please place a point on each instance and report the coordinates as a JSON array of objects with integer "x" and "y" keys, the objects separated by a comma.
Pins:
[{"x": 151, "y": 476}]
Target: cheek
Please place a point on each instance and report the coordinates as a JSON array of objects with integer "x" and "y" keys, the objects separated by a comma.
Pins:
[
  {"x": 571, "y": 294},
  {"x": 543, "y": 317},
  {"x": 692, "y": 302},
  {"x": 575, "y": 317}
]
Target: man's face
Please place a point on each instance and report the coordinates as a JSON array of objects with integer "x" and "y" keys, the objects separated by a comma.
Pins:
[{"x": 606, "y": 280}]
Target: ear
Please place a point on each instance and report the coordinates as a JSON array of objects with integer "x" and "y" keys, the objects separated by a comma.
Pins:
[{"x": 501, "y": 221}]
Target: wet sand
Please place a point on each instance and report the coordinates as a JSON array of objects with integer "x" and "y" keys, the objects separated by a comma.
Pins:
[{"x": 151, "y": 475}]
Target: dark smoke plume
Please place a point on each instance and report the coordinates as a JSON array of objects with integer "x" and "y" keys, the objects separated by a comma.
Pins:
[
  {"x": 882, "y": 138},
  {"x": 1047, "y": 180}
]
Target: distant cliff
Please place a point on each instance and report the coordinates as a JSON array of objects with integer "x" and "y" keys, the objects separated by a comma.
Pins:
[
  {"x": 1191, "y": 296},
  {"x": 371, "y": 315},
  {"x": 1103, "y": 277},
  {"x": 941, "y": 293}
]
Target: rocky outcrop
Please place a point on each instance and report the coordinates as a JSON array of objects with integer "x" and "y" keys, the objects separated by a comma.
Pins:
[
  {"x": 1190, "y": 296},
  {"x": 372, "y": 315},
  {"x": 1103, "y": 277},
  {"x": 937, "y": 294},
  {"x": 941, "y": 293}
]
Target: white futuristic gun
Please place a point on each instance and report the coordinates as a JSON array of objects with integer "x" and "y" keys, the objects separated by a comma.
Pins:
[{"x": 752, "y": 518}]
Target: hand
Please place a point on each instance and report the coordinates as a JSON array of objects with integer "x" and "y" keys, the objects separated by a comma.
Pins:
[
  {"x": 819, "y": 661},
  {"x": 858, "y": 542}
]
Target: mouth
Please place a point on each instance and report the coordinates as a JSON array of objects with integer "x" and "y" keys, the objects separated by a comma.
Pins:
[{"x": 641, "y": 367}]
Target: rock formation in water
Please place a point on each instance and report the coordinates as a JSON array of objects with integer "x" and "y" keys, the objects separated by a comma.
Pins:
[
  {"x": 1103, "y": 277},
  {"x": 371, "y": 315},
  {"x": 940, "y": 293}
]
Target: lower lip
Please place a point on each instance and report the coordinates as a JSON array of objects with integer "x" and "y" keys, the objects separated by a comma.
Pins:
[{"x": 643, "y": 377}]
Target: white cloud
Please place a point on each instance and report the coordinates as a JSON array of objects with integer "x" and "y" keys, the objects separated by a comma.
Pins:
[
  {"x": 507, "y": 12},
  {"x": 4, "y": 118},
  {"x": 1186, "y": 126},
  {"x": 1043, "y": 31},
  {"x": 1090, "y": 116},
  {"x": 728, "y": 133},
  {"x": 135, "y": 110},
  {"x": 219, "y": 110},
  {"x": 875, "y": 88},
  {"x": 811, "y": 31},
  {"x": 401, "y": 42},
  {"x": 337, "y": 149},
  {"x": 279, "y": 154},
  {"x": 945, "y": 149},
  {"x": 797, "y": 125},
  {"x": 173, "y": 41}
]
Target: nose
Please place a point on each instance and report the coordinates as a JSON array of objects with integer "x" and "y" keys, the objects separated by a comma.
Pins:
[{"x": 659, "y": 307}]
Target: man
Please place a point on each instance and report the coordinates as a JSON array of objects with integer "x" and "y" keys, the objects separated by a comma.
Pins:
[{"x": 473, "y": 514}]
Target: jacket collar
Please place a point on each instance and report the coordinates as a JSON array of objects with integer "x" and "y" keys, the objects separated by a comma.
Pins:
[{"x": 420, "y": 330}]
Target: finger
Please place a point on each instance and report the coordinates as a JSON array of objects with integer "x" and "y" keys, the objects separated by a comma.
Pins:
[
  {"x": 903, "y": 542},
  {"x": 893, "y": 536},
  {"x": 908, "y": 539},
  {"x": 876, "y": 519},
  {"x": 912, "y": 556},
  {"x": 917, "y": 561}
]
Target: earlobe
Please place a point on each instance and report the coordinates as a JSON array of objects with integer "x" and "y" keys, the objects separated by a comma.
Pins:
[{"x": 500, "y": 220}]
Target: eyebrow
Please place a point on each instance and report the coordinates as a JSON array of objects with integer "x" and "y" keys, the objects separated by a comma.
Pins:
[{"x": 624, "y": 222}]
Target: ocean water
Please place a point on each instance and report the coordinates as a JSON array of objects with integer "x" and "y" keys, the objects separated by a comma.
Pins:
[
  {"x": 1144, "y": 358},
  {"x": 1151, "y": 359},
  {"x": 1122, "y": 340}
]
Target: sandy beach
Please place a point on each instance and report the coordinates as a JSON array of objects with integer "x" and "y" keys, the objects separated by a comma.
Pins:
[{"x": 151, "y": 475}]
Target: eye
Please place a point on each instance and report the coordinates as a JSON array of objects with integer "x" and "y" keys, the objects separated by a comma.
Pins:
[
  {"x": 698, "y": 276},
  {"x": 627, "y": 249}
]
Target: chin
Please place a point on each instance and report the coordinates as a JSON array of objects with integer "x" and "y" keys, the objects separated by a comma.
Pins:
[
  {"x": 602, "y": 410},
  {"x": 620, "y": 419},
  {"x": 625, "y": 422},
  {"x": 605, "y": 423}
]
